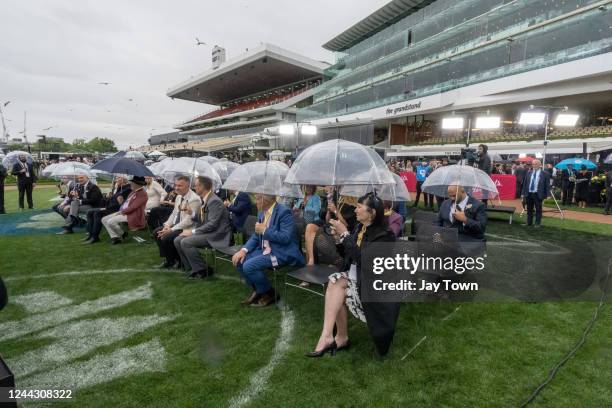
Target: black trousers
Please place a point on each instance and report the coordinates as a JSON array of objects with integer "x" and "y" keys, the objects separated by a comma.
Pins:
[
  {"x": 25, "y": 189},
  {"x": 608, "y": 207},
  {"x": 427, "y": 197},
  {"x": 2, "y": 210},
  {"x": 94, "y": 221},
  {"x": 568, "y": 193},
  {"x": 533, "y": 201},
  {"x": 158, "y": 215},
  {"x": 166, "y": 246}
]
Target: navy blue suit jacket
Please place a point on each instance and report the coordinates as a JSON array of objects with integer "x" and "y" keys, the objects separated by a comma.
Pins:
[
  {"x": 240, "y": 210},
  {"x": 281, "y": 235},
  {"x": 543, "y": 189},
  {"x": 476, "y": 219},
  {"x": 21, "y": 178}
]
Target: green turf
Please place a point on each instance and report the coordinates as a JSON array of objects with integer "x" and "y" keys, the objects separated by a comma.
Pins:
[
  {"x": 484, "y": 355},
  {"x": 594, "y": 210}
]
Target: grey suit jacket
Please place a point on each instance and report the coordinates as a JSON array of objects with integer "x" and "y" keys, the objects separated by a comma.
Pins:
[{"x": 213, "y": 221}]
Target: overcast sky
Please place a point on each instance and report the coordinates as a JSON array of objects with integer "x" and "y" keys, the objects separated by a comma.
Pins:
[{"x": 53, "y": 53}]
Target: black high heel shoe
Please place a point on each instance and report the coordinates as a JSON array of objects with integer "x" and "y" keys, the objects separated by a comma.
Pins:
[
  {"x": 345, "y": 346},
  {"x": 331, "y": 349}
]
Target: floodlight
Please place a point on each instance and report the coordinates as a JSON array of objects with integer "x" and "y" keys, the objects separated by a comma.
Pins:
[
  {"x": 308, "y": 130},
  {"x": 452, "y": 123},
  {"x": 532, "y": 118},
  {"x": 539, "y": 155},
  {"x": 286, "y": 130},
  {"x": 488, "y": 122},
  {"x": 565, "y": 119}
]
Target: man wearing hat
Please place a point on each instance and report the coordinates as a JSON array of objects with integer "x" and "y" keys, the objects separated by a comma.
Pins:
[{"x": 131, "y": 211}]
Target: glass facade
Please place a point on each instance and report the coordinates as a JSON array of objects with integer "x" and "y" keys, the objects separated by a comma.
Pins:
[{"x": 454, "y": 43}]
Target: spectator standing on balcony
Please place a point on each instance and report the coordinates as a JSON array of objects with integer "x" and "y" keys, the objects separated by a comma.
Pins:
[{"x": 422, "y": 171}]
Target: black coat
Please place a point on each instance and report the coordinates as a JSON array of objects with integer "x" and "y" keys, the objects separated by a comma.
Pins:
[
  {"x": 476, "y": 224},
  {"x": 112, "y": 205},
  {"x": 3, "y": 173},
  {"x": 484, "y": 163},
  {"x": 90, "y": 195},
  {"x": 21, "y": 178},
  {"x": 381, "y": 317},
  {"x": 3, "y": 295}
]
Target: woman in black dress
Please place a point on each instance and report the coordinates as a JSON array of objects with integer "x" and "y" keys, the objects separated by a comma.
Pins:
[{"x": 583, "y": 179}]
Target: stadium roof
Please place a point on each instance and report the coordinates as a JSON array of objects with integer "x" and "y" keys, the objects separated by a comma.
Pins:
[
  {"x": 381, "y": 18},
  {"x": 260, "y": 69}
]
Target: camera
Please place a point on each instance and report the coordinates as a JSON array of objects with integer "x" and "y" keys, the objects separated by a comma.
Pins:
[{"x": 469, "y": 155}]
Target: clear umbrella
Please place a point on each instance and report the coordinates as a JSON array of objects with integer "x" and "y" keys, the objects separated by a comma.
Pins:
[
  {"x": 155, "y": 153},
  {"x": 386, "y": 192},
  {"x": 135, "y": 155},
  {"x": 339, "y": 162},
  {"x": 225, "y": 168},
  {"x": 46, "y": 172},
  {"x": 263, "y": 177},
  {"x": 209, "y": 159},
  {"x": 71, "y": 169},
  {"x": 190, "y": 167},
  {"x": 474, "y": 181},
  {"x": 13, "y": 157}
]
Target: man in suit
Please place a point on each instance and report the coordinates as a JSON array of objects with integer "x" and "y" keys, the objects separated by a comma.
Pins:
[
  {"x": 536, "y": 189},
  {"x": 519, "y": 172},
  {"x": 131, "y": 211},
  {"x": 463, "y": 212},
  {"x": 211, "y": 229},
  {"x": 3, "y": 174},
  {"x": 26, "y": 180},
  {"x": 63, "y": 207},
  {"x": 608, "y": 207},
  {"x": 273, "y": 244},
  {"x": 110, "y": 205},
  {"x": 568, "y": 182},
  {"x": 186, "y": 203},
  {"x": 239, "y": 209},
  {"x": 83, "y": 198}
]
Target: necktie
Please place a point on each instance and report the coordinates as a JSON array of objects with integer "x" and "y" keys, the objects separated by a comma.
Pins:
[
  {"x": 533, "y": 179},
  {"x": 267, "y": 248},
  {"x": 177, "y": 219}
]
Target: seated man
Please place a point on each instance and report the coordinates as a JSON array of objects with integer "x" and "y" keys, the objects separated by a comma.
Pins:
[
  {"x": 131, "y": 211},
  {"x": 239, "y": 209},
  {"x": 83, "y": 198},
  {"x": 273, "y": 244},
  {"x": 463, "y": 212},
  {"x": 211, "y": 229},
  {"x": 186, "y": 203},
  {"x": 111, "y": 204},
  {"x": 158, "y": 215}
]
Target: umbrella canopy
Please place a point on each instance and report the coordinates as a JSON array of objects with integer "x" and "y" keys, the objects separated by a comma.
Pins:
[
  {"x": 13, "y": 157},
  {"x": 224, "y": 168},
  {"x": 135, "y": 155},
  {"x": 71, "y": 169},
  {"x": 209, "y": 159},
  {"x": 46, "y": 172},
  {"x": 190, "y": 167},
  {"x": 386, "y": 192},
  {"x": 577, "y": 163},
  {"x": 339, "y": 162},
  {"x": 121, "y": 165},
  {"x": 155, "y": 153},
  {"x": 475, "y": 182},
  {"x": 526, "y": 159},
  {"x": 259, "y": 177}
]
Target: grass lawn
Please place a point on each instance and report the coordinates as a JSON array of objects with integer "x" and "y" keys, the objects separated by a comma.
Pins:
[
  {"x": 594, "y": 210},
  {"x": 210, "y": 351}
]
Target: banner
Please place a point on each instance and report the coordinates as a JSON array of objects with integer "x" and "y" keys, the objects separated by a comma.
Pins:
[
  {"x": 506, "y": 185},
  {"x": 409, "y": 178}
]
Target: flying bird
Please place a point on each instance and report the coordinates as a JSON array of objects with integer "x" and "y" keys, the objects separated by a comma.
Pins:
[
  {"x": 198, "y": 42},
  {"x": 6, "y": 103},
  {"x": 49, "y": 128},
  {"x": 104, "y": 83},
  {"x": 130, "y": 99}
]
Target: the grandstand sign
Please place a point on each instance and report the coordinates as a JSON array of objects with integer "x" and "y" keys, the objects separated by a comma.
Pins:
[{"x": 405, "y": 108}]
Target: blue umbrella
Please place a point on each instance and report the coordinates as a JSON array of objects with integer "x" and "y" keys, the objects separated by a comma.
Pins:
[
  {"x": 120, "y": 165},
  {"x": 576, "y": 163}
]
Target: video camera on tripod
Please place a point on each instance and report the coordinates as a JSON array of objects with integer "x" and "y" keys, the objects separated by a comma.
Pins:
[{"x": 469, "y": 155}]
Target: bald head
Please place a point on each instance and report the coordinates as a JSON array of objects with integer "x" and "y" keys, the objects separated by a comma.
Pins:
[
  {"x": 536, "y": 164},
  {"x": 456, "y": 192}
]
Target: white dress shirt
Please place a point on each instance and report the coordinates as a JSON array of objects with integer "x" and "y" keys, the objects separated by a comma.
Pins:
[{"x": 454, "y": 206}]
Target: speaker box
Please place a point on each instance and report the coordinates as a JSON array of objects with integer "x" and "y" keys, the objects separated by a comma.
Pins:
[{"x": 7, "y": 382}]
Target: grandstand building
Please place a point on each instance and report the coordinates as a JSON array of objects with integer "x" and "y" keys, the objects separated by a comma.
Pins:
[
  {"x": 251, "y": 93},
  {"x": 401, "y": 70}
]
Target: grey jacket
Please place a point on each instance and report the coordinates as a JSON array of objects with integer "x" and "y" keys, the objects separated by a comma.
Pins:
[{"x": 213, "y": 220}]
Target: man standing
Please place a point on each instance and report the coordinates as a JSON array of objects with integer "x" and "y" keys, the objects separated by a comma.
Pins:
[
  {"x": 25, "y": 180},
  {"x": 212, "y": 229},
  {"x": 519, "y": 172},
  {"x": 272, "y": 245},
  {"x": 568, "y": 181},
  {"x": 422, "y": 171},
  {"x": 608, "y": 207},
  {"x": 84, "y": 197},
  {"x": 536, "y": 188},
  {"x": 3, "y": 174},
  {"x": 187, "y": 202}
]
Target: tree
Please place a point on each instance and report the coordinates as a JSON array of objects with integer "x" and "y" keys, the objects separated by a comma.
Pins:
[
  {"x": 80, "y": 144},
  {"x": 101, "y": 145}
]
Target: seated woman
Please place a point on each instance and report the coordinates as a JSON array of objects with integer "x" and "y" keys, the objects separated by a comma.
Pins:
[
  {"x": 394, "y": 221},
  {"x": 155, "y": 194},
  {"x": 343, "y": 211},
  {"x": 309, "y": 206},
  {"x": 343, "y": 289}
]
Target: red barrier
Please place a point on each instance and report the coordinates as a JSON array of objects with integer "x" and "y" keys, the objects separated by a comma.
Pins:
[
  {"x": 506, "y": 185},
  {"x": 409, "y": 178}
]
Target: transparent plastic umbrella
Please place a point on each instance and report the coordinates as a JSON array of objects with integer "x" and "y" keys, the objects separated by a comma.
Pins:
[
  {"x": 209, "y": 159},
  {"x": 72, "y": 169},
  {"x": 263, "y": 177},
  {"x": 388, "y": 192},
  {"x": 135, "y": 155},
  {"x": 155, "y": 154},
  {"x": 475, "y": 182},
  {"x": 190, "y": 167},
  {"x": 225, "y": 168},
  {"x": 46, "y": 172},
  {"x": 291, "y": 191},
  {"x": 339, "y": 162},
  {"x": 13, "y": 157}
]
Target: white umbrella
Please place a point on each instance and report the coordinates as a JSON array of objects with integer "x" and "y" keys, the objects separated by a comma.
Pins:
[
  {"x": 13, "y": 157},
  {"x": 209, "y": 159},
  {"x": 339, "y": 162},
  {"x": 474, "y": 181},
  {"x": 388, "y": 192},
  {"x": 71, "y": 169},
  {"x": 225, "y": 168},
  {"x": 46, "y": 172},
  {"x": 135, "y": 155},
  {"x": 155, "y": 154},
  {"x": 190, "y": 167},
  {"x": 263, "y": 177}
]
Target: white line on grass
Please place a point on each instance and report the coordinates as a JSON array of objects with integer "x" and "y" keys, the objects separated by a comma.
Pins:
[
  {"x": 40, "y": 301},
  {"x": 414, "y": 347},
  {"x": 258, "y": 381}
]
